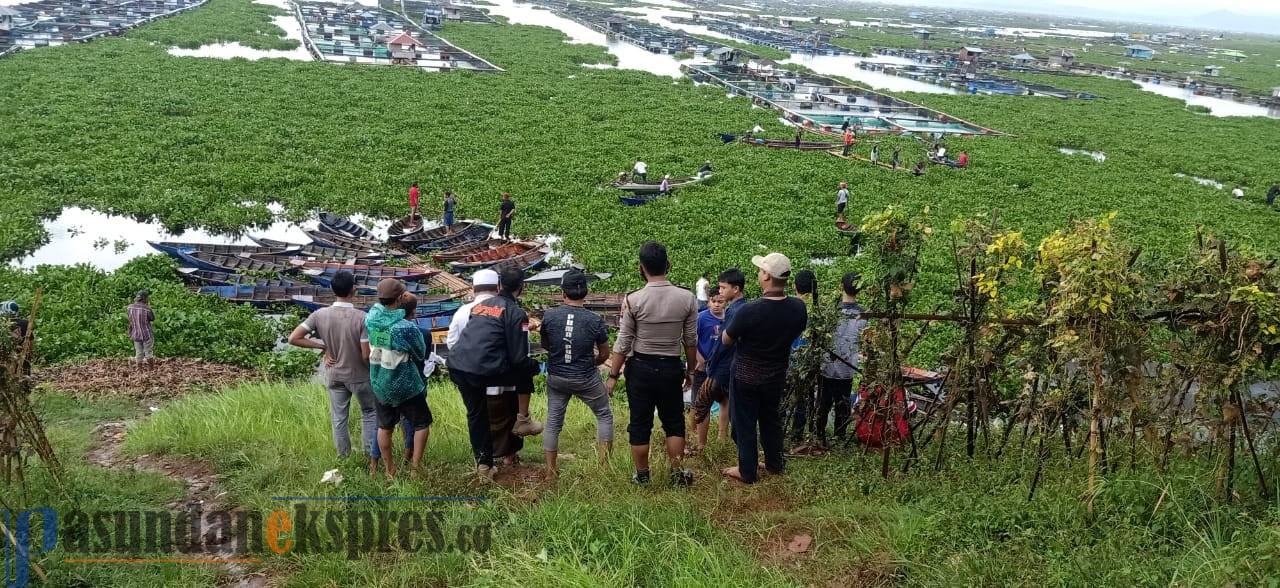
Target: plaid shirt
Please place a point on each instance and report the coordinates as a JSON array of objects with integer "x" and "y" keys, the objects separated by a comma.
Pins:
[{"x": 140, "y": 318}]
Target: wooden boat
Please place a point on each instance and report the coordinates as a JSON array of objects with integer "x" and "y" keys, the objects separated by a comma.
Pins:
[
  {"x": 845, "y": 228},
  {"x": 405, "y": 227},
  {"x": 436, "y": 233},
  {"x": 344, "y": 226},
  {"x": 473, "y": 234},
  {"x": 654, "y": 187},
  {"x": 199, "y": 277},
  {"x": 856, "y": 157},
  {"x": 552, "y": 278},
  {"x": 638, "y": 199},
  {"x": 428, "y": 304},
  {"x": 322, "y": 273},
  {"x": 261, "y": 296},
  {"x": 345, "y": 242},
  {"x": 492, "y": 256},
  {"x": 526, "y": 261},
  {"x": 803, "y": 146},
  {"x": 175, "y": 249},
  {"x": 458, "y": 252},
  {"x": 232, "y": 263},
  {"x": 297, "y": 260},
  {"x": 321, "y": 251}
]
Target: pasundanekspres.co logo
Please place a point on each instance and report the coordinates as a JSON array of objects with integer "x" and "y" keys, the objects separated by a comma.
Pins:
[{"x": 227, "y": 536}]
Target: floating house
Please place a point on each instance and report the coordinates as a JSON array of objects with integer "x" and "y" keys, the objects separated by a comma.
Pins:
[
  {"x": 6, "y": 19},
  {"x": 923, "y": 35},
  {"x": 1275, "y": 92},
  {"x": 1023, "y": 59},
  {"x": 1212, "y": 70},
  {"x": 784, "y": 23},
  {"x": 1232, "y": 55},
  {"x": 1062, "y": 58},
  {"x": 723, "y": 55},
  {"x": 970, "y": 54},
  {"x": 1139, "y": 52}
]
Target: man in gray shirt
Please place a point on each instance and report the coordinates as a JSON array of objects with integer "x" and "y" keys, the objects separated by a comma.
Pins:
[
  {"x": 841, "y": 362},
  {"x": 339, "y": 331},
  {"x": 658, "y": 321}
]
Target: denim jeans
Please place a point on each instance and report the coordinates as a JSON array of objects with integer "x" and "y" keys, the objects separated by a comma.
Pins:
[{"x": 755, "y": 416}]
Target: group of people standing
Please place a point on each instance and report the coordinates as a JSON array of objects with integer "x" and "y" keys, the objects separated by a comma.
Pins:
[
  {"x": 449, "y": 207},
  {"x": 715, "y": 342}
]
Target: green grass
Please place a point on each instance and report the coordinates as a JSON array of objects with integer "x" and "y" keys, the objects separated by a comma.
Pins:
[{"x": 970, "y": 524}]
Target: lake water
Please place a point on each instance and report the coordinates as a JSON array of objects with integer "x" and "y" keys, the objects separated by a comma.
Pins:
[
  {"x": 1097, "y": 156},
  {"x": 107, "y": 242},
  {"x": 1202, "y": 181},
  {"x": 847, "y": 66},
  {"x": 659, "y": 15},
  {"x": 1217, "y": 106},
  {"x": 292, "y": 29},
  {"x": 629, "y": 56}
]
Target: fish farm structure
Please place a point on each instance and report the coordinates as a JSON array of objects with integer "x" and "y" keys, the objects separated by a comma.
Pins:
[
  {"x": 821, "y": 104},
  {"x": 373, "y": 36},
  {"x": 56, "y": 22}
]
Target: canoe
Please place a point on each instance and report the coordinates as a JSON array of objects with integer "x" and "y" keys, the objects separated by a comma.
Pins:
[
  {"x": 365, "y": 284},
  {"x": 846, "y": 228},
  {"x": 199, "y": 277},
  {"x": 435, "y": 233},
  {"x": 654, "y": 187},
  {"x": 174, "y": 249},
  {"x": 473, "y": 234},
  {"x": 488, "y": 257},
  {"x": 428, "y": 305},
  {"x": 314, "y": 250},
  {"x": 401, "y": 228},
  {"x": 344, "y": 225},
  {"x": 804, "y": 145},
  {"x": 345, "y": 242},
  {"x": 260, "y": 296},
  {"x": 231, "y": 263},
  {"x": 460, "y": 251},
  {"x": 552, "y": 278},
  {"x": 296, "y": 260},
  {"x": 322, "y": 273},
  {"x": 527, "y": 261},
  {"x": 855, "y": 156}
]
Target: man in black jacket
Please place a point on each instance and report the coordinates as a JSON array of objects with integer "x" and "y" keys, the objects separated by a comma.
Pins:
[{"x": 493, "y": 350}]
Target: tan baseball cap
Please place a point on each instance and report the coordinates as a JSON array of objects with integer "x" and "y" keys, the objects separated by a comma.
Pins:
[{"x": 775, "y": 264}]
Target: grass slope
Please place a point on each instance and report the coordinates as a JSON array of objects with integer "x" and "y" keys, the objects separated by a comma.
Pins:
[{"x": 966, "y": 525}]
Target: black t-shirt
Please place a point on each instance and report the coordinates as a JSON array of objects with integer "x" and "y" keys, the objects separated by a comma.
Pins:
[
  {"x": 571, "y": 336},
  {"x": 507, "y": 208},
  {"x": 763, "y": 331}
]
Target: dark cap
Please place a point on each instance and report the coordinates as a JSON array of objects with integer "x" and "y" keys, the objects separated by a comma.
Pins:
[
  {"x": 850, "y": 283},
  {"x": 574, "y": 284},
  {"x": 390, "y": 289}
]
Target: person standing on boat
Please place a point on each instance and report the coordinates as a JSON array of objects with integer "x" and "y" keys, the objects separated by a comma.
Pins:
[
  {"x": 842, "y": 200},
  {"x": 799, "y": 136},
  {"x": 665, "y": 187},
  {"x": 140, "y": 319},
  {"x": 897, "y": 155},
  {"x": 506, "y": 210},
  {"x": 875, "y": 153},
  {"x": 450, "y": 203},
  {"x": 845, "y": 126},
  {"x": 705, "y": 170},
  {"x": 413, "y": 204},
  {"x": 658, "y": 322},
  {"x": 640, "y": 173},
  {"x": 848, "y": 142}
]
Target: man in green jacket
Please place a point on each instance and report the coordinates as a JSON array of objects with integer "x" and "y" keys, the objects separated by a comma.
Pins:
[{"x": 396, "y": 348}]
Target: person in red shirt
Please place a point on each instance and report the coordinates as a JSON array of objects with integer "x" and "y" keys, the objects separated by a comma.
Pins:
[
  {"x": 964, "y": 159},
  {"x": 413, "y": 204},
  {"x": 848, "y": 141}
]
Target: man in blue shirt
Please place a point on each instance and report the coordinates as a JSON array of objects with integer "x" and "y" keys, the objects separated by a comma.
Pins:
[{"x": 719, "y": 363}]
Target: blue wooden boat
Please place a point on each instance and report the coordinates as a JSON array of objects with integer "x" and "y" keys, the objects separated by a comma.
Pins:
[
  {"x": 345, "y": 242},
  {"x": 260, "y": 296},
  {"x": 320, "y": 251},
  {"x": 230, "y": 264},
  {"x": 472, "y": 234},
  {"x": 637, "y": 199},
  {"x": 201, "y": 277},
  {"x": 322, "y": 273},
  {"x": 428, "y": 304},
  {"x": 437, "y": 233},
  {"x": 343, "y": 225},
  {"x": 552, "y": 278},
  {"x": 175, "y": 249}
]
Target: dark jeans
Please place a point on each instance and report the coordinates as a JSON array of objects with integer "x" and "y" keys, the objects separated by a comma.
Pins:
[
  {"x": 472, "y": 388},
  {"x": 834, "y": 394},
  {"x": 752, "y": 406},
  {"x": 504, "y": 227},
  {"x": 800, "y": 414},
  {"x": 655, "y": 383}
]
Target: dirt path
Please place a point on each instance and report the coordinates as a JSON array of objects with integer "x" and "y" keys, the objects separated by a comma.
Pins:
[{"x": 202, "y": 490}]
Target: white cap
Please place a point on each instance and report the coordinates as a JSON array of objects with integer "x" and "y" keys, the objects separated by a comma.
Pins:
[
  {"x": 485, "y": 277},
  {"x": 774, "y": 264}
]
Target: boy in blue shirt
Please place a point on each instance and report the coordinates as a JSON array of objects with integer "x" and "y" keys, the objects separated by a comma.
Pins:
[{"x": 710, "y": 324}]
